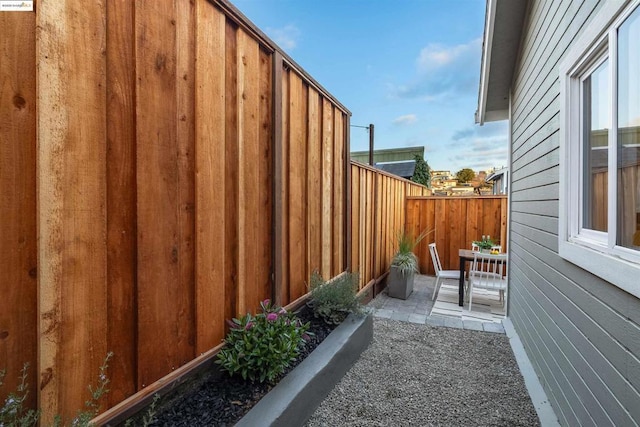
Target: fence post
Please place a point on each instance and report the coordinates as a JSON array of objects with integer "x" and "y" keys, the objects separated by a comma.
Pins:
[
  {"x": 278, "y": 291},
  {"x": 347, "y": 195},
  {"x": 371, "y": 144}
]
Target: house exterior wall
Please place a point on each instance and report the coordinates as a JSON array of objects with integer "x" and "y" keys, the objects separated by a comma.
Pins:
[{"x": 582, "y": 334}]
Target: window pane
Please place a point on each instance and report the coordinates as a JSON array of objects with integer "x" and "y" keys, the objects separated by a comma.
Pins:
[
  {"x": 629, "y": 132},
  {"x": 596, "y": 117}
]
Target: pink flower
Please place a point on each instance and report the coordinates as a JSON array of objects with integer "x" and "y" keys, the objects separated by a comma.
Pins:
[
  {"x": 272, "y": 317},
  {"x": 248, "y": 326},
  {"x": 282, "y": 311},
  {"x": 266, "y": 302}
]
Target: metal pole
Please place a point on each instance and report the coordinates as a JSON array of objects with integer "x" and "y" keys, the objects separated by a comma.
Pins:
[{"x": 371, "y": 144}]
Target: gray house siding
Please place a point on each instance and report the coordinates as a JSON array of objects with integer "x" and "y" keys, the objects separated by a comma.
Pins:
[{"x": 581, "y": 333}]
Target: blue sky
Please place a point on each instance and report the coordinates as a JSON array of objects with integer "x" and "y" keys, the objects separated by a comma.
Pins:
[{"x": 410, "y": 67}]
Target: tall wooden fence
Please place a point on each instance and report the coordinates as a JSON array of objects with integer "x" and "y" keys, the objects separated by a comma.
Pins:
[
  {"x": 163, "y": 167},
  {"x": 456, "y": 222},
  {"x": 377, "y": 216}
]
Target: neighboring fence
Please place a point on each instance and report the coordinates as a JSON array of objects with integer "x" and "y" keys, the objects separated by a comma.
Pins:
[
  {"x": 377, "y": 216},
  {"x": 154, "y": 195},
  {"x": 456, "y": 222}
]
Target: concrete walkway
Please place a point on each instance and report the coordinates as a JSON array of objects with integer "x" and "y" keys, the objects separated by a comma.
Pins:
[{"x": 417, "y": 307}]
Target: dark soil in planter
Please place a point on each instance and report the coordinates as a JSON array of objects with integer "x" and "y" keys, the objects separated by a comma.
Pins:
[{"x": 215, "y": 399}]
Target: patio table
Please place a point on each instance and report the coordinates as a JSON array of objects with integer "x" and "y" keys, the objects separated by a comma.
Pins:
[{"x": 465, "y": 255}]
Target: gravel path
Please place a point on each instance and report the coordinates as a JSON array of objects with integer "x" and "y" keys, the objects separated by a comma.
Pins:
[{"x": 419, "y": 375}]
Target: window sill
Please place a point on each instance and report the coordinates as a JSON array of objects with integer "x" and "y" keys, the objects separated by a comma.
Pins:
[{"x": 607, "y": 266}]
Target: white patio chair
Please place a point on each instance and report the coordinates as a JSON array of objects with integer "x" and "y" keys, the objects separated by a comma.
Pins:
[
  {"x": 440, "y": 273},
  {"x": 488, "y": 272}
]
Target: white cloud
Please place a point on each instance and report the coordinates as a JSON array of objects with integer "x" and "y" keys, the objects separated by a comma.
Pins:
[
  {"x": 444, "y": 73},
  {"x": 481, "y": 147},
  {"x": 405, "y": 120},
  {"x": 285, "y": 37},
  {"x": 436, "y": 56}
]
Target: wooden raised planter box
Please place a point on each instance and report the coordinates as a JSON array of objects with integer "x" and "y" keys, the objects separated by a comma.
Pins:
[{"x": 293, "y": 400}]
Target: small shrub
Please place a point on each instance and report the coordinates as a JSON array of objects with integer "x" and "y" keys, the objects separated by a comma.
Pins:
[
  {"x": 91, "y": 406},
  {"x": 149, "y": 416},
  {"x": 333, "y": 301},
  {"x": 13, "y": 413},
  {"x": 261, "y": 347}
]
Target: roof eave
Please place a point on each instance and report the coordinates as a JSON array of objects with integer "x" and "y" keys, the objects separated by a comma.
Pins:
[
  {"x": 489, "y": 24},
  {"x": 499, "y": 55}
]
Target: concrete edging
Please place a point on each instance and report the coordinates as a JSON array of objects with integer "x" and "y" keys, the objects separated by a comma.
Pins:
[
  {"x": 538, "y": 396},
  {"x": 297, "y": 396}
]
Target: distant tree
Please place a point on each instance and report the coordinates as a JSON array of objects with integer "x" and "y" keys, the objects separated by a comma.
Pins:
[
  {"x": 465, "y": 175},
  {"x": 422, "y": 173}
]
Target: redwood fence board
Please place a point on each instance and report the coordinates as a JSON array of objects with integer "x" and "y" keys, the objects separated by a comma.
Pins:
[
  {"x": 18, "y": 287},
  {"x": 314, "y": 182},
  {"x": 121, "y": 201},
  {"x": 71, "y": 129}
]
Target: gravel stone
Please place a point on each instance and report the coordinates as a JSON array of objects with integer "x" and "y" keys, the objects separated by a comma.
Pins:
[{"x": 420, "y": 375}]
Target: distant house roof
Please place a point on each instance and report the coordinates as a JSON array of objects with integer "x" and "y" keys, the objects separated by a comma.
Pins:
[
  {"x": 503, "y": 26},
  {"x": 388, "y": 154},
  {"x": 403, "y": 169},
  {"x": 496, "y": 174}
]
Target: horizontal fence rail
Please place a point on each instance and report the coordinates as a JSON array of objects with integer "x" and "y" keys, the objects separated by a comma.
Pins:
[
  {"x": 456, "y": 222},
  {"x": 180, "y": 169}
]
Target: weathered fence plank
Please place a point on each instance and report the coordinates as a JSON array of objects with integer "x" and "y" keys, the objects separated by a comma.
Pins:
[
  {"x": 18, "y": 316},
  {"x": 165, "y": 302},
  {"x": 121, "y": 200},
  {"x": 314, "y": 183},
  {"x": 264, "y": 162},
  {"x": 338, "y": 202},
  {"x": 72, "y": 193},
  {"x": 212, "y": 275},
  {"x": 248, "y": 104},
  {"x": 327, "y": 187},
  {"x": 297, "y": 187},
  {"x": 231, "y": 180}
]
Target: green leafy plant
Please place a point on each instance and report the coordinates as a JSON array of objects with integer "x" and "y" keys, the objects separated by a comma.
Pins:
[
  {"x": 13, "y": 412},
  {"x": 404, "y": 259},
  {"x": 484, "y": 244},
  {"x": 333, "y": 301},
  {"x": 261, "y": 347}
]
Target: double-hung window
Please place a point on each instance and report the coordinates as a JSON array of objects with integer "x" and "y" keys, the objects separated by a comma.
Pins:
[{"x": 600, "y": 147}]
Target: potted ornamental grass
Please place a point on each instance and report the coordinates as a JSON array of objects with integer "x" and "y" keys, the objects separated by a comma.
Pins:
[{"x": 404, "y": 265}]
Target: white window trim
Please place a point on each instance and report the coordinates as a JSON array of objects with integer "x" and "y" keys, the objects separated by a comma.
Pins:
[{"x": 618, "y": 266}]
